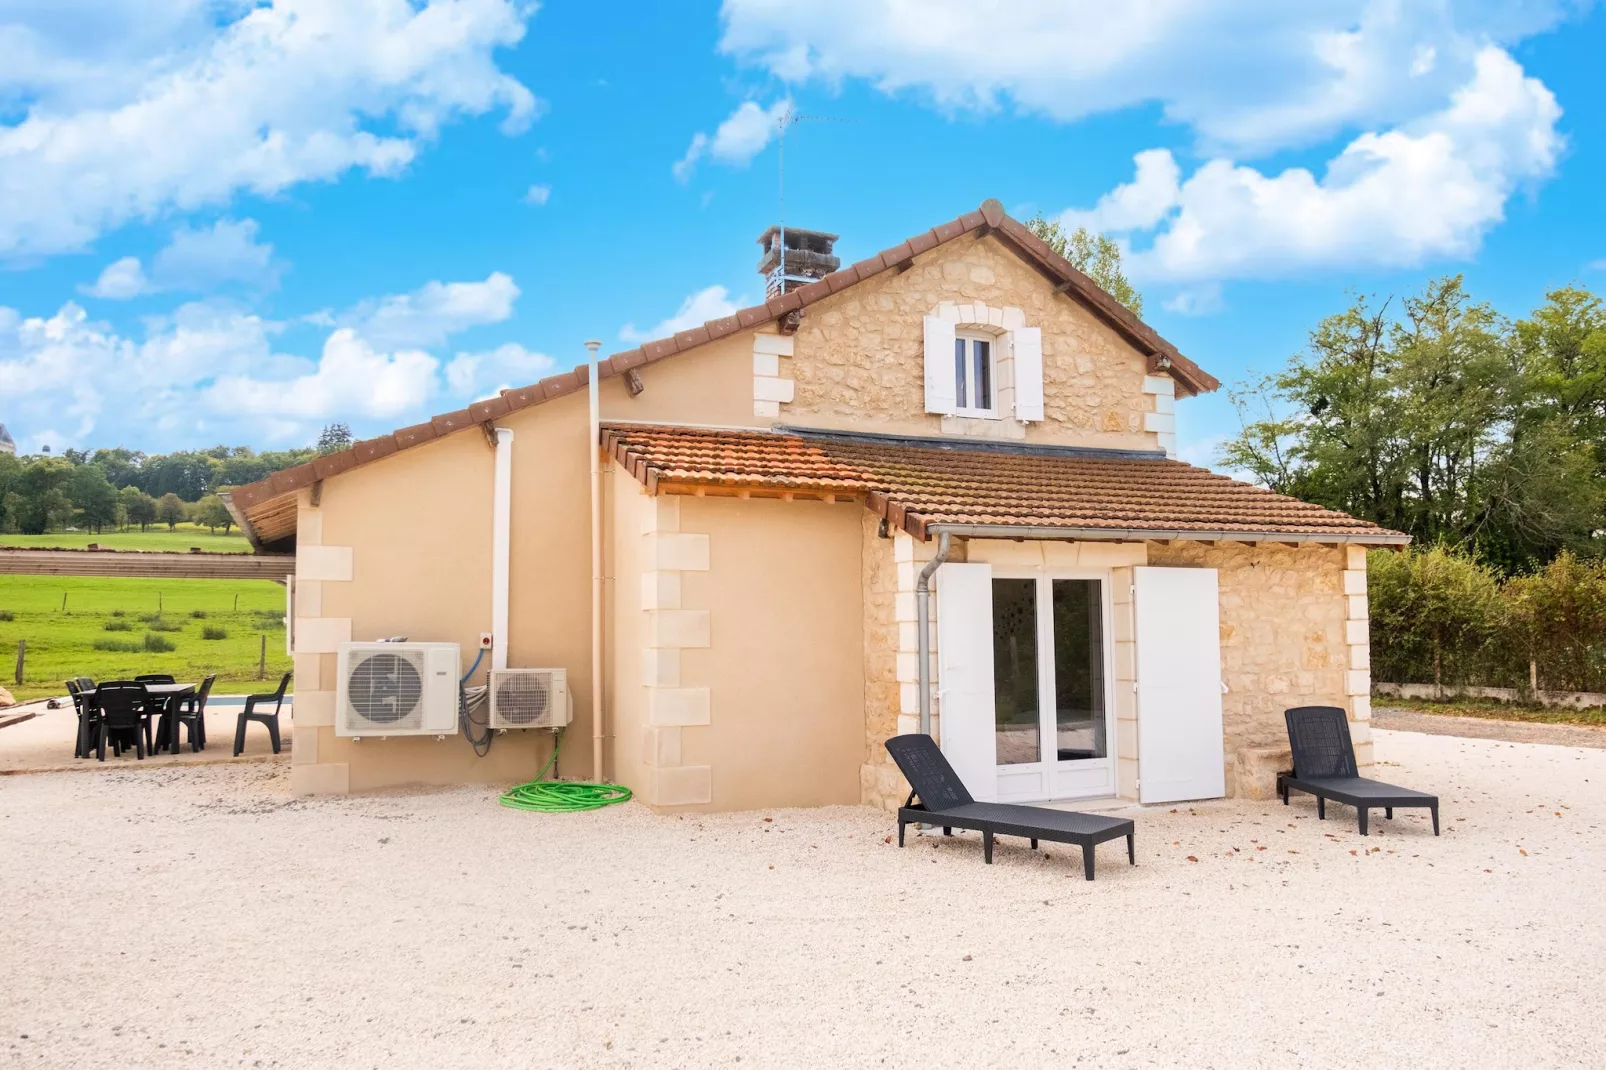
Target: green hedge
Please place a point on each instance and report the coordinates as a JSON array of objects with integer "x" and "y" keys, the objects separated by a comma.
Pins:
[{"x": 1438, "y": 616}]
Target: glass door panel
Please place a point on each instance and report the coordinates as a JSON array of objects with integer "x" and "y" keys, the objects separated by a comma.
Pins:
[
  {"x": 1079, "y": 691},
  {"x": 1016, "y": 701}
]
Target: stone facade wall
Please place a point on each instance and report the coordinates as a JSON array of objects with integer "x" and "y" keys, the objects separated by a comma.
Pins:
[
  {"x": 859, "y": 354},
  {"x": 1287, "y": 639}
]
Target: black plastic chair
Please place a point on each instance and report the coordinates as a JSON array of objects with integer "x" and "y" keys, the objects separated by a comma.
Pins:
[
  {"x": 86, "y": 730},
  {"x": 123, "y": 709},
  {"x": 945, "y": 801},
  {"x": 1324, "y": 766},
  {"x": 191, "y": 713},
  {"x": 270, "y": 719},
  {"x": 161, "y": 704}
]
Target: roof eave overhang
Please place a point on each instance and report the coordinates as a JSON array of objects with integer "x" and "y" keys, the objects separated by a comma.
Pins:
[
  {"x": 1050, "y": 531},
  {"x": 246, "y": 527}
]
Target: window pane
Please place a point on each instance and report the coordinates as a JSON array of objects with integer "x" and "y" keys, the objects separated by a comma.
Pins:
[
  {"x": 1015, "y": 671},
  {"x": 959, "y": 371},
  {"x": 1078, "y": 670},
  {"x": 984, "y": 374}
]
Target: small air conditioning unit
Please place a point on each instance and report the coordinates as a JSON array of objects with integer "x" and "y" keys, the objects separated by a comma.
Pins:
[
  {"x": 397, "y": 689},
  {"x": 529, "y": 698}
]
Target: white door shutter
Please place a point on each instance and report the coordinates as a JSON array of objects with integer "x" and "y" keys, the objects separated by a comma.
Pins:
[
  {"x": 941, "y": 391},
  {"x": 1028, "y": 344},
  {"x": 1180, "y": 750},
  {"x": 965, "y": 675}
]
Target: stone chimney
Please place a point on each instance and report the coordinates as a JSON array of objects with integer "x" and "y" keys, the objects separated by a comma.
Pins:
[{"x": 808, "y": 259}]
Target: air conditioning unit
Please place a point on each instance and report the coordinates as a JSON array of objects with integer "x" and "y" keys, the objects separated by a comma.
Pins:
[
  {"x": 397, "y": 689},
  {"x": 529, "y": 698}
]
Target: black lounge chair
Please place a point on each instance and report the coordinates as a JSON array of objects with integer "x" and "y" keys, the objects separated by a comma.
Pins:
[
  {"x": 944, "y": 801},
  {"x": 1324, "y": 766}
]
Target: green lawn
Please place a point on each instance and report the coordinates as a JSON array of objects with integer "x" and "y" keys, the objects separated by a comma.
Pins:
[
  {"x": 62, "y": 644},
  {"x": 157, "y": 538},
  {"x": 1496, "y": 711}
]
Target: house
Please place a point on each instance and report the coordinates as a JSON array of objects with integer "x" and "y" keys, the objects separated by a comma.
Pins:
[{"x": 962, "y": 427}]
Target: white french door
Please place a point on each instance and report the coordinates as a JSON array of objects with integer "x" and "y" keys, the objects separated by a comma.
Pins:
[{"x": 1026, "y": 670}]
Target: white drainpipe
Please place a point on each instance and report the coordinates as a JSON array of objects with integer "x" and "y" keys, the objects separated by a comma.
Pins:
[
  {"x": 501, "y": 544},
  {"x": 923, "y": 615},
  {"x": 595, "y": 449}
]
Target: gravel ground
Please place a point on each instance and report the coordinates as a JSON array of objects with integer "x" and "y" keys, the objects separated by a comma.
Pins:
[{"x": 203, "y": 917}]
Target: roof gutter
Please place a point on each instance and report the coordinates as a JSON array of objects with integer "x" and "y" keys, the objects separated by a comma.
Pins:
[{"x": 1043, "y": 531}]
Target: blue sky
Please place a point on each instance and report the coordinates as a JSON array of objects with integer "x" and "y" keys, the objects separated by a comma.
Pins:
[{"x": 225, "y": 221}]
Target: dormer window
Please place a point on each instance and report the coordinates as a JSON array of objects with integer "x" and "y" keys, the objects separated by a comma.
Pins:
[{"x": 973, "y": 374}]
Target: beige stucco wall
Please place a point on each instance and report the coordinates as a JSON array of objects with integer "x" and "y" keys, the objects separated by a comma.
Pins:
[
  {"x": 783, "y": 662},
  {"x": 402, "y": 546},
  {"x": 860, "y": 353}
]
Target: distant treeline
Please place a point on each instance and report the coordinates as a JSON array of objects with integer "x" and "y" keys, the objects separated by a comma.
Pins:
[{"x": 118, "y": 488}]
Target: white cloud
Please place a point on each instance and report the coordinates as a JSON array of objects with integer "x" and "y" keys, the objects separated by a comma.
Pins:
[
  {"x": 209, "y": 371},
  {"x": 1393, "y": 198},
  {"x": 224, "y": 252},
  {"x": 742, "y": 135},
  {"x": 538, "y": 194},
  {"x": 198, "y": 260},
  {"x": 432, "y": 312},
  {"x": 505, "y": 365},
  {"x": 1244, "y": 77},
  {"x": 707, "y": 304},
  {"x": 120, "y": 280},
  {"x": 205, "y": 100},
  {"x": 1201, "y": 300},
  {"x": 351, "y": 378}
]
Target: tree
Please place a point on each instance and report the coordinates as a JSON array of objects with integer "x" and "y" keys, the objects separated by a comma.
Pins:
[
  {"x": 1441, "y": 420},
  {"x": 188, "y": 474},
  {"x": 94, "y": 497},
  {"x": 38, "y": 499},
  {"x": 169, "y": 510},
  {"x": 211, "y": 511},
  {"x": 1098, "y": 256},
  {"x": 10, "y": 473},
  {"x": 335, "y": 437},
  {"x": 139, "y": 506},
  {"x": 120, "y": 465}
]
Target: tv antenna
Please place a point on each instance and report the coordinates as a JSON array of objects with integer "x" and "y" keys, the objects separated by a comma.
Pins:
[{"x": 788, "y": 119}]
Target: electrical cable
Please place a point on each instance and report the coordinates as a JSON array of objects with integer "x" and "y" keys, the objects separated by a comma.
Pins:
[
  {"x": 470, "y": 699},
  {"x": 562, "y": 796}
]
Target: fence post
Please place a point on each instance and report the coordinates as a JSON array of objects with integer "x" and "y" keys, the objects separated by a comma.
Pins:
[
  {"x": 262, "y": 659},
  {"x": 22, "y": 652}
]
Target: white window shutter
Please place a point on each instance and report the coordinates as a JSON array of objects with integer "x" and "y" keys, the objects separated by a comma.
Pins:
[
  {"x": 941, "y": 391},
  {"x": 1028, "y": 345},
  {"x": 1181, "y": 754},
  {"x": 965, "y": 687}
]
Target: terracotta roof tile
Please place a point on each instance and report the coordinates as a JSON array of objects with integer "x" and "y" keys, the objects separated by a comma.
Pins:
[{"x": 924, "y": 482}]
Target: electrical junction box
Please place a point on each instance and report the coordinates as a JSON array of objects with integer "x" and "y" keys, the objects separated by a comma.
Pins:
[{"x": 485, "y": 640}]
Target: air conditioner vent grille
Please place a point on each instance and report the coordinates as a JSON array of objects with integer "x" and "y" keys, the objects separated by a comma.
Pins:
[
  {"x": 386, "y": 689},
  {"x": 529, "y": 698}
]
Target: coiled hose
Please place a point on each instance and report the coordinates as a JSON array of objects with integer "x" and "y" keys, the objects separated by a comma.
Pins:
[{"x": 562, "y": 796}]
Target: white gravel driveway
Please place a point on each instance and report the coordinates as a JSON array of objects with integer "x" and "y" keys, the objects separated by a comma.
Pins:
[{"x": 203, "y": 917}]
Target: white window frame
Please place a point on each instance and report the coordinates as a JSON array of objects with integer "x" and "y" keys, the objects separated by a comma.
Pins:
[{"x": 969, "y": 335}]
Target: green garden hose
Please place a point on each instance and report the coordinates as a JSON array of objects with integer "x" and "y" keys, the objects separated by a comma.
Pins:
[{"x": 562, "y": 796}]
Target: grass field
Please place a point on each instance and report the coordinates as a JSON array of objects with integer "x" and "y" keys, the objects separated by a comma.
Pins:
[
  {"x": 180, "y": 540},
  {"x": 63, "y": 643},
  {"x": 1496, "y": 711}
]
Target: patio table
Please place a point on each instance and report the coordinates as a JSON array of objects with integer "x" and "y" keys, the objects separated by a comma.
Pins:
[{"x": 169, "y": 694}]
